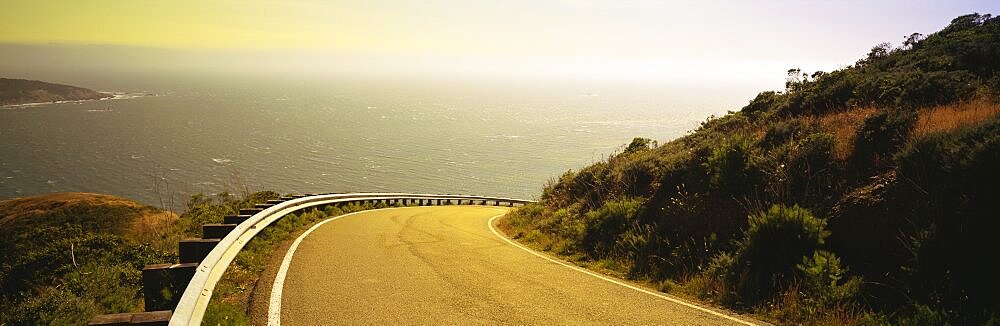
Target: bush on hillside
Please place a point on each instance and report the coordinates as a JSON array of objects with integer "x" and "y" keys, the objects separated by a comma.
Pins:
[
  {"x": 640, "y": 144},
  {"x": 823, "y": 280},
  {"x": 881, "y": 135},
  {"x": 812, "y": 170},
  {"x": 781, "y": 132},
  {"x": 958, "y": 175},
  {"x": 772, "y": 247},
  {"x": 730, "y": 166},
  {"x": 604, "y": 225}
]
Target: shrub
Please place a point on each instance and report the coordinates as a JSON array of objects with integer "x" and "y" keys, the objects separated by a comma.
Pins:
[
  {"x": 812, "y": 170},
  {"x": 880, "y": 136},
  {"x": 520, "y": 219},
  {"x": 821, "y": 280},
  {"x": 772, "y": 247},
  {"x": 957, "y": 210},
  {"x": 764, "y": 102},
  {"x": 605, "y": 224},
  {"x": 918, "y": 315},
  {"x": 570, "y": 230},
  {"x": 936, "y": 88},
  {"x": 640, "y": 144},
  {"x": 730, "y": 165},
  {"x": 781, "y": 132},
  {"x": 638, "y": 243}
]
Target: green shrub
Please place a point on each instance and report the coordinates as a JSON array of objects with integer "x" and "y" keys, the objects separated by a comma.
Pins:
[
  {"x": 638, "y": 244},
  {"x": 639, "y": 144},
  {"x": 721, "y": 265},
  {"x": 822, "y": 274},
  {"x": 956, "y": 220},
  {"x": 765, "y": 102},
  {"x": 772, "y": 247},
  {"x": 605, "y": 224},
  {"x": 730, "y": 165},
  {"x": 936, "y": 88},
  {"x": 881, "y": 135},
  {"x": 919, "y": 315},
  {"x": 569, "y": 228},
  {"x": 781, "y": 132},
  {"x": 523, "y": 218},
  {"x": 812, "y": 171}
]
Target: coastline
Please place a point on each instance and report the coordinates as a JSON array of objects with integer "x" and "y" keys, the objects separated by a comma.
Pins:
[{"x": 111, "y": 96}]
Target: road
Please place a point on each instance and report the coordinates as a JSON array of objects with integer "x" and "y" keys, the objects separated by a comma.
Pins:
[{"x": 446, "y": 265}]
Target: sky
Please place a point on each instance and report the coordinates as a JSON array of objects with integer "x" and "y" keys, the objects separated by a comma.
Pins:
[{"x": 706, "y": 41}]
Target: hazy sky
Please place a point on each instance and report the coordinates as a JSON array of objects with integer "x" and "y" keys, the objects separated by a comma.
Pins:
[{"x": 664, "y": 41}]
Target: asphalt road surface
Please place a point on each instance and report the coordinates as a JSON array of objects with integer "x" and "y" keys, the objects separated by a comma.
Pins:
[{"x": 446, "y": 265}]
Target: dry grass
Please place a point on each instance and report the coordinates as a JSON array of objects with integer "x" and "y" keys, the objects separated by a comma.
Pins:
[
  {"x": 27, "y": 207},
  {"x": 116, "y": 215},
  {"x": 844, "y": 125},
  {"x": 157, "y": 228},
  {"x": 950, "y": 117}
]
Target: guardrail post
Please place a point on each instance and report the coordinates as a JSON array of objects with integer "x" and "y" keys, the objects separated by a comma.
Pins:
[
  {"x": 163, "y": 284},
  {"x": 195, "y": 250},
  {"x": 216, "y": 231},
  {"x": 250, "y": 211},
  {"x": 234, "y": 219}
]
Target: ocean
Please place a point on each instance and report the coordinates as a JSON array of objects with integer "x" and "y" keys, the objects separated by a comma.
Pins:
[{"x": 290, "y": 136}]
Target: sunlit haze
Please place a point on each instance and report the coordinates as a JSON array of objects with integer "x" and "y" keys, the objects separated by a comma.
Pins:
[{"x": 746, "y": 44}]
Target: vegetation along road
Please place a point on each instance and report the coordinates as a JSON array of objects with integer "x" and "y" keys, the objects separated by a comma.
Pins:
[{"x": 447, "y": 265}]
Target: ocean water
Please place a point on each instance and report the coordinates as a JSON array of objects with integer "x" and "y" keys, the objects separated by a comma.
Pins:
[{"x": 302, "y": 137}]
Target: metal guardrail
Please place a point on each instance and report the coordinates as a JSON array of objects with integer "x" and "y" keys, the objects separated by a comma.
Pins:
[{"x": 191, "y": 307}]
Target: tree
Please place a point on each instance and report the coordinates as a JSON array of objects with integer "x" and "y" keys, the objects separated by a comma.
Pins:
[
  {"x": 879, "y": 51},
  {"x": 794, "y": 80},
  {"x": 912, "y": 40}
]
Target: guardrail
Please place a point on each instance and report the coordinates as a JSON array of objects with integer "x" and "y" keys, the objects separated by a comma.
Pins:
[{"x": 204, "y": 261}]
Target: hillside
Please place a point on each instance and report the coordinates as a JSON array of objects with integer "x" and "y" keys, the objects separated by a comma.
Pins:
[
  {"x": 69, "y": 256},
  {"x": 21, "y": 91},
  {"x": 858, "y": 196}
]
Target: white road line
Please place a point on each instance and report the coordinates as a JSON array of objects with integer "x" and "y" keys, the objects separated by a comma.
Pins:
[
  {"x": 630, "y": 286},
  {"x": 274, "y": 305}
]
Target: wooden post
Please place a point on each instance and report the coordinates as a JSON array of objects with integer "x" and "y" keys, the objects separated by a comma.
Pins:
[{"x": 163, "y": 284}]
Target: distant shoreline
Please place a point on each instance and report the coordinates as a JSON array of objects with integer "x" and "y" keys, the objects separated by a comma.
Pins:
[
  {"x": 17, "y": 93},
  {"x": 111, "y": 96}
]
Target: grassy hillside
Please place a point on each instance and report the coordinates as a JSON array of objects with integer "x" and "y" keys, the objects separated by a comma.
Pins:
[
  {"x": 21, "y": 91},
  {"x": 863, "y": 195},
  {"x": 67, "y": 257}
]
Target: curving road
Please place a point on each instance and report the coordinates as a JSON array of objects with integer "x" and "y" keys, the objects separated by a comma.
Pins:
[{"x": 446, "y": 265}]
